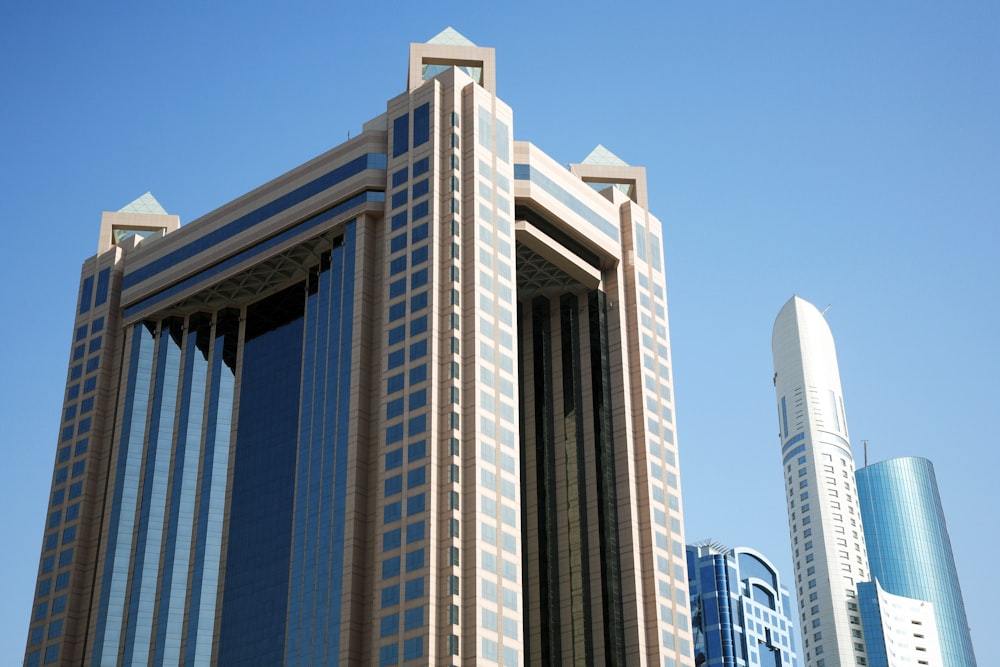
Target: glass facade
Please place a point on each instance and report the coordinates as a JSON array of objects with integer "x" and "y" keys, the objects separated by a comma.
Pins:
[
  {"x": 909, "y": 550},
  {"x": 741, "y": 613}
]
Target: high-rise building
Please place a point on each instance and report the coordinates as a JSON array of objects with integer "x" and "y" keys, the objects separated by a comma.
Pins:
[
  {"x": 410, "y": 401},
  {"x": 741, "y": 613},
  {"x": 828, "y": 542},
  {"x": 909, "y": 551},
  {"x": 899, "y": 631}
]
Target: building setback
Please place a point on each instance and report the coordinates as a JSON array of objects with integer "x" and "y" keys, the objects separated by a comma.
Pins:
[
  {"x": 828, "y": 541},
  {"x": 741, "y": 612},
  {"x": 410, "y": 401},
  {"x": 910, "y": 554}
]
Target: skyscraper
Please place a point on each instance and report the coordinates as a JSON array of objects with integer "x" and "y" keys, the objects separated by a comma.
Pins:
[
  {"x": 909, "y": 550},
  {"x": 823, "y": 520},
  {"x": 410, "y": 401},
  {"x": 741, "y": 612}
]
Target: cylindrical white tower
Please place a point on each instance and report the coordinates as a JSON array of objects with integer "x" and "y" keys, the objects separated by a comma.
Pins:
[{"x": 823, "y": 517}]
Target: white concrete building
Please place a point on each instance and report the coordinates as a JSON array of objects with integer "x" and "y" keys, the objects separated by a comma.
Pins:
[{"x": 823, "y": 518}]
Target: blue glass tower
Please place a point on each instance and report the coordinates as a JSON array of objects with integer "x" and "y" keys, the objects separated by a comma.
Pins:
[
  {"x": 740, "y": 612},
  {"x": 909, "y": 551}
]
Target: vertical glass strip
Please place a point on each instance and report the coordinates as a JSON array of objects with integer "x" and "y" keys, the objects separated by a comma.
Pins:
[
  {"x": 343, "y": 442},
  {"x": 323, "y": 501},
  {"x": 607, "y": 492},
  {"x": 126, "y": 495},
  {"x": 152, "y": 508},
  {"x": 212, "y": 495},
  {"x": 302, "y": 482},
  {"x": 258, "y": 550},
  {"x": 184, "y": 484}
]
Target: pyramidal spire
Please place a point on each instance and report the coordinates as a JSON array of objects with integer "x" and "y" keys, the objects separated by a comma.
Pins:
[
  {"x": 450, "y": 37},
  {"x": 146, "y": 204},
  {"x": 602, "y": 155}
]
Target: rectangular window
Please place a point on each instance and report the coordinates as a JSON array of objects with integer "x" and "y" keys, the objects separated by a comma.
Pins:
[
  {"x": 420, "y": 189},
  {"x": 421, "y": 125},
  {"x": 421, "y": 166},
  {"x": 103, "y": 278},
  {"x": 86, "y": 294},
  {"x": 400, "y": 135}
]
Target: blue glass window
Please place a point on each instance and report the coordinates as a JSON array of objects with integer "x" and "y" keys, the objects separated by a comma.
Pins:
[
  {"x": 415, "y": 505},
  {"x": 388, "y": 655},
  {"x": 75, "y": 490},
  {"x": 414, "y": 589},
  {"x": 399, "y": 177},
  {"x": 98, "y": 325},
  {"x": 397, "y": 334},
  {"x": 417, "y": 425},
  {"x": 397, "y": 288},
  {"x": 421, "y": 166},
  {"x": 418, "y": 256},
  {"x": 413, "y": 648},
  {"x": 421, "y": 125},
  {"x": 59, "y": 605},
  {"x": 394, "y": 408},
  {"x": 397, "y": 265},
  {"x": 400, "y": 135},
  {"x": 52, "y": 654},
  {"x": 65, "y": 453},
  {"x": 413, "y": 618},
  {"x": 103, "y": 278},
  {"x": 399, "y": 198},
  {"x": 396, "y": 358},
  {"x": 416, "y": 477},
  {"x": 419, "y": 278},
  {"x": 51, "y": 542},
  {"x": 389, "y": 625},
  {"x": 417, "y": 450},
  {"x": 418, "y": 302},
  {"x": 62, "y": 581},
  {"x": 418, "y": 349},
  {"x": 390, "y": 596},
  {"x": 418, "y": 374},
  {"x": 399, "y": 220},
  {"x": 393, "y": 485},
  {"x": 393, "y": 434},
  {"x": 420, "y": 232},
  {"x": 48, "y": 564},
  {"x": 394, "y": 459},
  {"x": 78, "y": 468},
  {"x": 390, "y": 567},
  {"x": 418, "y": 399},
  {"x": 78, "y": 352},
  {"x": 415, "y": 532},
  {"x": 392, "y": 512},
  {"x": 81, "y": 447},
  {"x": 397, "y": 243},
  {"x": 391, "y": 540},
  {"x": 86, "y": 294},
  {"x": 414, "y": 560},
  {"x": 81, "y": 333},
  {"x": 93, "y": 363},
  {"x": 397, "y": 310},
  {"x": 89, "y": 384},
  {"x": 421, "y": 188},
  {"x": 418, "y": 325},
  {"x": 394, "y": 383},
  {"x": 421, "y": 210}
]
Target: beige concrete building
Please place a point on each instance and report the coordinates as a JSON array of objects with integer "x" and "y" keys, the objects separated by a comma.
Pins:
[{"x": 408, "y": 403}]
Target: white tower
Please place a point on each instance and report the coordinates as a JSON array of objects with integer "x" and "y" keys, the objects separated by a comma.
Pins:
[{"x": 823, "y": 518}]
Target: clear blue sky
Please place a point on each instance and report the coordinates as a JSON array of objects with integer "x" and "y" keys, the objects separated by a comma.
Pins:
[{"x": 848, "y": 152}]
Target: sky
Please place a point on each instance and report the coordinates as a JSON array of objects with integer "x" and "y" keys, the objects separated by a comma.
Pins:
[{"x": 846, "y": 152}]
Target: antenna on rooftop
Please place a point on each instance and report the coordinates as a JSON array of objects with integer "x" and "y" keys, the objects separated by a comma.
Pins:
[
  {"x": 865, "y": 442},
  {"x": 823, "y": 312}
]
